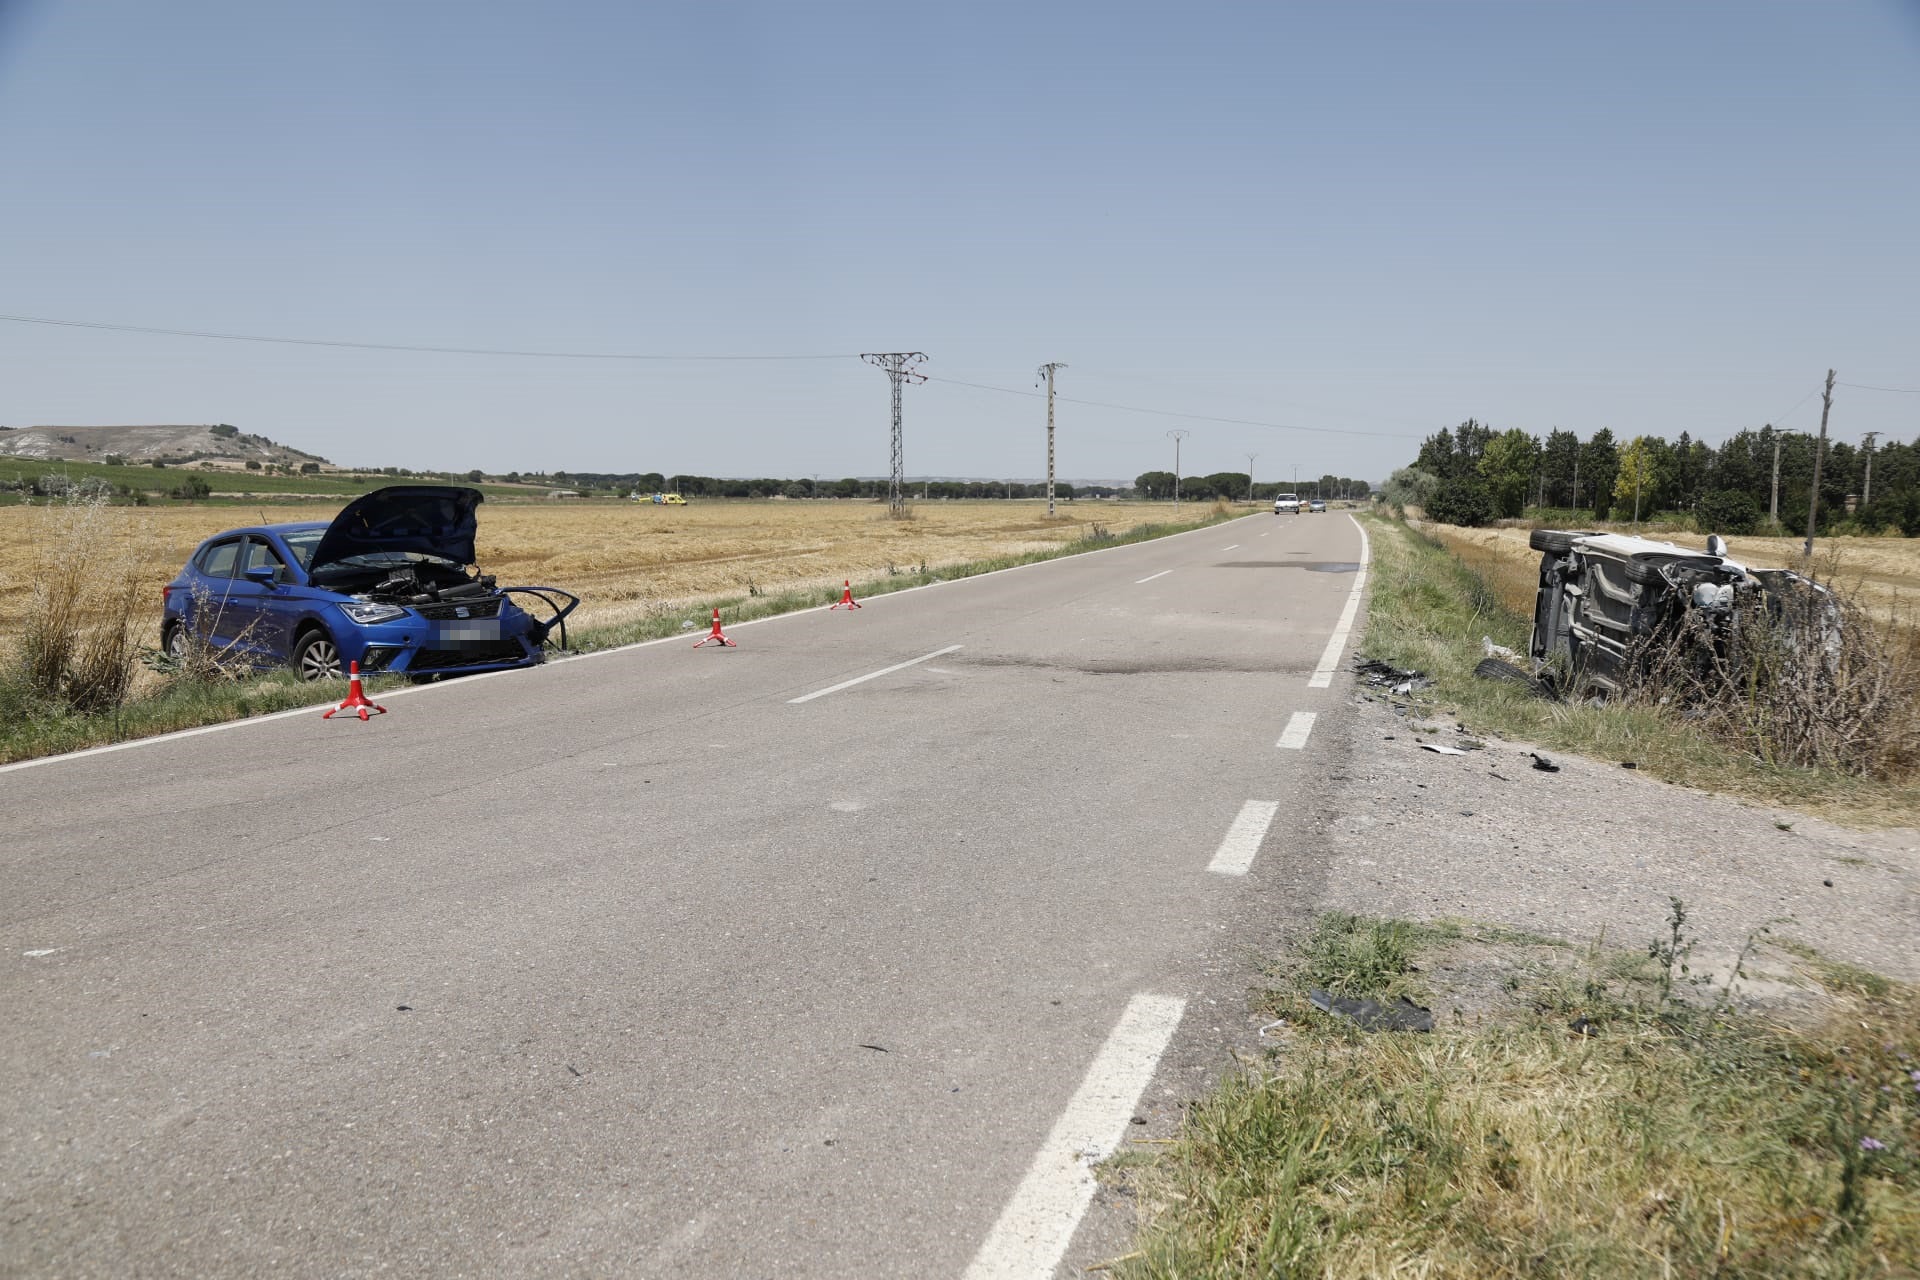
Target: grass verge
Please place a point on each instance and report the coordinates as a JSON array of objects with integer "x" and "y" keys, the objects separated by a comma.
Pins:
[
  {"x": 1586, "y": 1123},
  {"x": 30, "y": 727},
  {"x": 1429, "y": 610}
]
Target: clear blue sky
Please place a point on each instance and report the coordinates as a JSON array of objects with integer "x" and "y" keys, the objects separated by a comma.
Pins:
[{"x": 1377, "y": 218}]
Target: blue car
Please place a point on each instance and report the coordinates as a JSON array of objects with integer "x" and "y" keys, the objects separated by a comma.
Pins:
[{"x": 386, "y": 585}]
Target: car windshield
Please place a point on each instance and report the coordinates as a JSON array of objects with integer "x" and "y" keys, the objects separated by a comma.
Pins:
[{"x": 302, "y": 543}]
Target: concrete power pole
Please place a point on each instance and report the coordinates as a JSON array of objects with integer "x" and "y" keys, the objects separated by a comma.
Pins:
[
  {"x": 1819, "y": 450},
  {"x": 1250, "y": 461},
  {"x": 1177, "y": 435},
  {"x": 901, "y": 367},
  {"x": 1046, "y": 371},
  {"x": 1866, "y": 485},
  {"x": 1773, "y": 510}
]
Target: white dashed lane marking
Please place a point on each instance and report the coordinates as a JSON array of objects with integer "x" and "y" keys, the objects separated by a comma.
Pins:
[
  {"x": 1294, "y": 736},
  {"x": 1150, "y": 577},
  {"x": 1242, "y": 843},
  {"x": 873, "y": 675}
]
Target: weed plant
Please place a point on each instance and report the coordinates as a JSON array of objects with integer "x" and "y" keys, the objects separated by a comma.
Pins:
[{"x": 1607, "y": 1121}]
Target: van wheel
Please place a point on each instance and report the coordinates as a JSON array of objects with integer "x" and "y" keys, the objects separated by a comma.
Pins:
[
  {"x": 1553, "y": 540},
  {"x": 316, "y": 657}
]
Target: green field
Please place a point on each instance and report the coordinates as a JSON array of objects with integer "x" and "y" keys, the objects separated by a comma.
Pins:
[{"x": 235, "y": 484}]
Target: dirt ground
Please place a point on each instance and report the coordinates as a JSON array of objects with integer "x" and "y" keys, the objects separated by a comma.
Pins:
[{"x": 624, "y": 558}]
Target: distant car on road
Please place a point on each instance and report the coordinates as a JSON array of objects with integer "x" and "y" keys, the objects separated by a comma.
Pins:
[
  {"x": 385, "y": 584},
  {"x": 1317, "y": 505},
  {"x": 1287, "y": 503}
]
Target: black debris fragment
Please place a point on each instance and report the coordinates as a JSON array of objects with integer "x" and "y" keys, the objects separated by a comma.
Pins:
[
  {"x": 403, "y": 1008},
  {"x": 1629, "y": 764},
  {"x": 1370, "y": 1015},
  {"x": 1380, "y": 675},
  {"x": 875, "y": 1047},
  {"x": 1543, "y": 764},
  {"x": 1503, "y": 777},
  {"x": 1584, "y": 1027}
]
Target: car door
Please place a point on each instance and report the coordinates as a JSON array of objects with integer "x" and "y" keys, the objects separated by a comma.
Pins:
[
  {"x": 262, "y": 615},
  {"x": 215, "y": 566}
]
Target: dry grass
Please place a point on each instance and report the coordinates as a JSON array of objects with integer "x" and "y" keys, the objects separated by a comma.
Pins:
[
  {"x": 1587, "y": 1125},
  {"x": 630, "y": 559}
]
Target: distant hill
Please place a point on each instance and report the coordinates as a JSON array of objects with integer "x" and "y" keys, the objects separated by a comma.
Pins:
[{"x": 217, "y": 443}]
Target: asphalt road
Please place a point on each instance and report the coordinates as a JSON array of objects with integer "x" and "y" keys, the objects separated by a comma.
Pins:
[{"x": 636, "y": 965}]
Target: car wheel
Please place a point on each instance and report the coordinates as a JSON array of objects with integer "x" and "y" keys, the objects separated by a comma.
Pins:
[
  {"x": 174, "y": 643},
  {"x": 1643, "y": 573},
  {"x": 1554, "y": 540},
  {"x": 316, "y": 657}
]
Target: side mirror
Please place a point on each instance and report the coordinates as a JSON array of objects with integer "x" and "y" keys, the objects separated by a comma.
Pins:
[
  {"x": 262, "y": 574},
  {"x": 1716, "y": 545}
]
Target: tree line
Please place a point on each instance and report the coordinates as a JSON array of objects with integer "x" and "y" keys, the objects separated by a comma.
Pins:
[
  {"x": 1238, "y": 486},
  {"x": 1472, "y": 474}
]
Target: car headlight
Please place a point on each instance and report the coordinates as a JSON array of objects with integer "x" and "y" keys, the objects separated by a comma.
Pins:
[{"x": 366, "y": 614}]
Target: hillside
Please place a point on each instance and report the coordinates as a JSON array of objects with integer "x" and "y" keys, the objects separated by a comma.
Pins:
[{"x": 218, "y": 443}]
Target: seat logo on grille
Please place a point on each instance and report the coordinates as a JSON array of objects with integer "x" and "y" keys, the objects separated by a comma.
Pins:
[{"x": 461, "y": 612}]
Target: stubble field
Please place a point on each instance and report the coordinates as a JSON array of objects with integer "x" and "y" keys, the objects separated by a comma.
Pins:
[{"x": 625, "y": 559}]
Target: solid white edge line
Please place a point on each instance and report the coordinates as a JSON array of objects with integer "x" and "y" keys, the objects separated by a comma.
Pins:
[
  {"x": 554, "y": 664},
  {"x": 1034, "y": 1230},
  {"x": 871, "y": 675},
  {"x": 1323, "y": 674},
  {"x": 1299, "y": 725},
  {"x": 1242, "y": 841},
  {"x": 1150, "y": 577}
]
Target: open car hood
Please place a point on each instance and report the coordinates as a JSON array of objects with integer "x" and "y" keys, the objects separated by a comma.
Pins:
[{"x": 427, "y": 519}]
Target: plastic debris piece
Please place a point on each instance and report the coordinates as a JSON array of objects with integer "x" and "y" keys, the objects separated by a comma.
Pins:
[
  {"x": 1441, "y": 749},
  {"x": 1543, "y": 764},
  {"x": 1371, "y": 1015},
  {"x": 1492, "y": 650},
  {"x": 1275, "y": 1024}
]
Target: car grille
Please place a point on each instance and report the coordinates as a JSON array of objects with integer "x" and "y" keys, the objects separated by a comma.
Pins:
[
  {"x": 448, "y": 612},
  {"x": 472, "y": 656}
]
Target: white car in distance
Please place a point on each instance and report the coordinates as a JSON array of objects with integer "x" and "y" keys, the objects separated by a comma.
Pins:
[{"x": 1287, "y": 504}]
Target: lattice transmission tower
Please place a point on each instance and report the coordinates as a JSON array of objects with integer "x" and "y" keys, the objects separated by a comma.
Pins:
[{"x": 902, "y": 367}]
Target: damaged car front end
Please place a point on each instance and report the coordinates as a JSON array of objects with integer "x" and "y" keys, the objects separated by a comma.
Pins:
[
  {"x": 1610, "y": 605},
  {"x": 387, "y": 584}
]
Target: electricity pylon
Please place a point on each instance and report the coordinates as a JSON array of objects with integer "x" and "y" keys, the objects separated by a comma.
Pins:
[{"x": 901, "y": 367}]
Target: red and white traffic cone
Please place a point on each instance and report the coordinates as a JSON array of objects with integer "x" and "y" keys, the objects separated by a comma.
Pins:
[
  {"x": 717, "y": 635},
  {"x": 356, "y": 699},
  {"x": 846, "y": 598}
]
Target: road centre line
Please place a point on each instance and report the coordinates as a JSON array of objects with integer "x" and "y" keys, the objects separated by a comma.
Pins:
[
  {"x": 1234, "y": 547},
  {"x": 1294, "y": 736},
  {"x": 1150, "y": 577},
  {"x": 1242, "y": 842},
  {"x": 559, "y": 664},
  {"x": 874, "y": 675},
  {"x": 1034, "y": 1230},
  {"x": 1323, "y": 674}
]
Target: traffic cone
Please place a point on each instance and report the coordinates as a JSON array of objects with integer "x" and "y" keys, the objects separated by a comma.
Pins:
[
  {"x": 717, "y": 634},
  {"x": 356, "y": 699},
  {"x": 846, "y": 598}
]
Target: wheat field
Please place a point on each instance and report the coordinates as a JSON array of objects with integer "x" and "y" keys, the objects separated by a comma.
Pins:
[{"x": 625, "y": 559}]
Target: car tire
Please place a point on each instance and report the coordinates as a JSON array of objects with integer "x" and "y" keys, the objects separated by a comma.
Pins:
[
  {"x": 173, "y": 642},
  {"x": 1556, "y": 541},
  {"x": 1643, "y": 573},
  {"x": 316, "y": 657}
]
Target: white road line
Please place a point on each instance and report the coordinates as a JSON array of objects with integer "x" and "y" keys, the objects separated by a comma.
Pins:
[
  {"x": 874, "y": 675},
  {"x": 1234, "y": 547},
  {"x": 1236, "y": 852},
  {"x": 1035, "y": 1228},
  {"x": 1150, "y": 577},
  {"x": 1323, "y": 674},
  {"x": 1294, "y": 736}
]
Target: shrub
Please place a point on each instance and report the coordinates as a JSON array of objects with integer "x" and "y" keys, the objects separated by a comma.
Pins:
[
  {"x": 1910, "y": 515},
  {"x": 1463, "y": 502},
  {"x": 1409, "y": 487},
  {"x": 191, "y": 489},
  {"x": 86, "y": 569},
  {"x": 1729, "y": 511}
]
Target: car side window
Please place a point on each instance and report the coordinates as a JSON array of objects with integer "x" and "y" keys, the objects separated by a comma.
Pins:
[
  {"x": 218, "y": 560},
  {"x": 261, "y": 552}
]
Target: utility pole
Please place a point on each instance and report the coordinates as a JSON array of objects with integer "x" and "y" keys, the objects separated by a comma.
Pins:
[
  {"x": 1773, "y": 510},
  {"x": 1866, "y": 485},
  {"x": 1576, "y": 477},
  {"x": 1250, "y": 461},
  {"x": 1177, "y": 435},
  {"x": 1046, "y": 371},
  {"x": 1819, "y": 450},
  {"x": 901, "y": 367}
]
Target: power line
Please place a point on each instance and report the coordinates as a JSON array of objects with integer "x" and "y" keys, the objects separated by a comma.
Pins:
[
  {"x": 1190, "y": 417},
  {"x": 1903, "y": 391},
  {"x": 396, "y": 346}
]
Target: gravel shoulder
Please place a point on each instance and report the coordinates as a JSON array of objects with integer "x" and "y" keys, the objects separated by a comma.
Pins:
[{"x": 1596, "y": 848}]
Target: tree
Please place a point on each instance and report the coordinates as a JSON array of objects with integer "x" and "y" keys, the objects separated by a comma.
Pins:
[
  {"x": 1558, "y": 458},
  {"x": 1729, "y": 511},
  {"x": 1599, "y": 464},
  {"x": 1636, "y": 474},
  {"x": 476, "y": 475},
  {"x": 1156, "y": 485},
  {"x": 1507, "y": 465},
  {"x": 309, "y": 468},
  {"x": 252, "y": 464},
  {"x": 1465, "y": 502},
  {"x": 1409, "y": 487}
]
